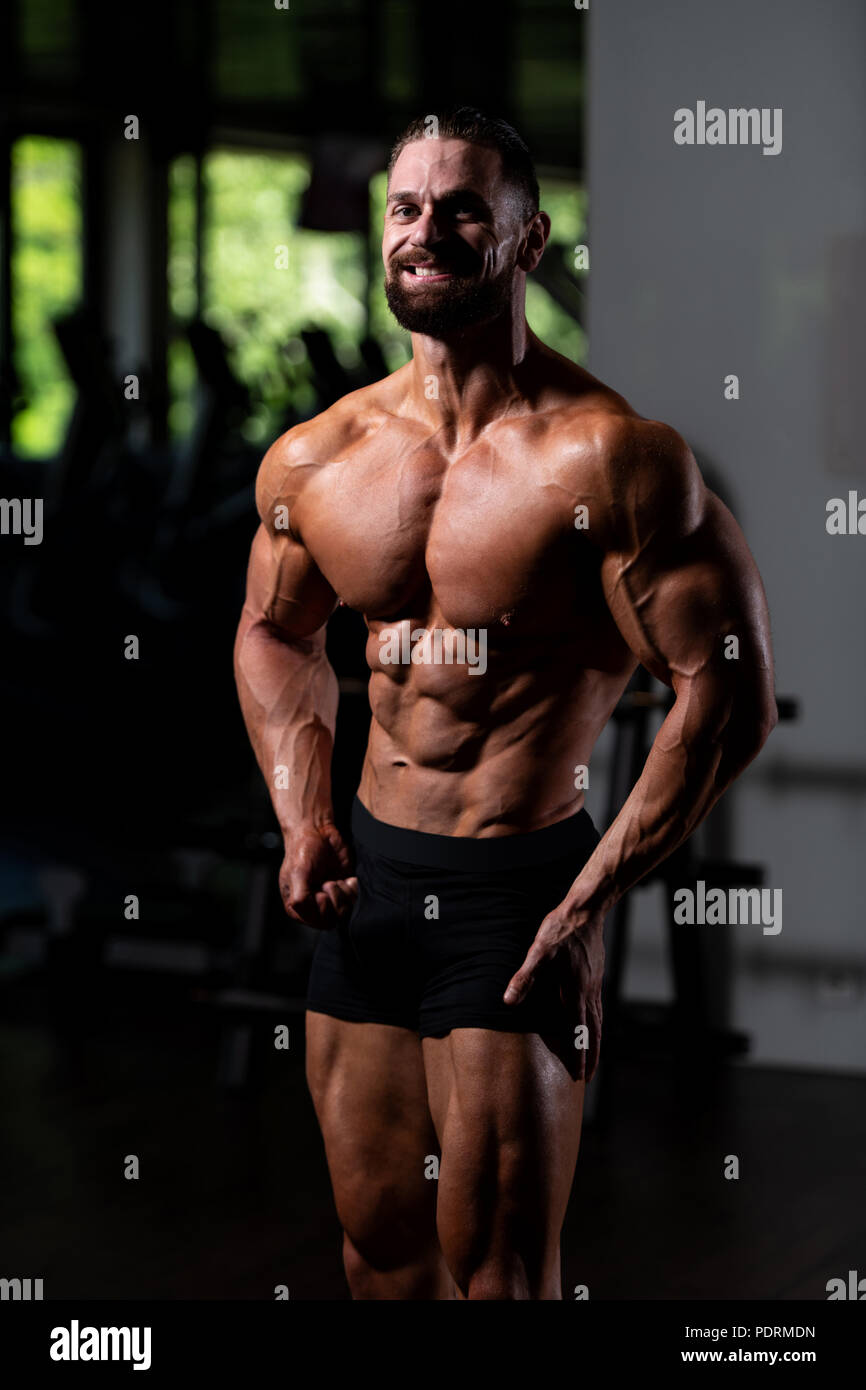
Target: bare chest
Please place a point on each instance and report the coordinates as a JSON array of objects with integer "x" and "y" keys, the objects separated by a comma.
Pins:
[{"x": 397, "y": 528}]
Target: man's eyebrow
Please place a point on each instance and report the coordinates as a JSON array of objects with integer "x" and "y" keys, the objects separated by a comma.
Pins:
[
  {"x": 406, "y": 196},
  {"x": 463, "y": 194}
]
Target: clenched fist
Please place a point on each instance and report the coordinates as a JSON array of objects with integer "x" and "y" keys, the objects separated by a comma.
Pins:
[{"x": 316, "y": 885}]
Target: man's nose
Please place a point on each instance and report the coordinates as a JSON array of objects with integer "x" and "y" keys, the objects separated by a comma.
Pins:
[{"x": 426, "y": 230}]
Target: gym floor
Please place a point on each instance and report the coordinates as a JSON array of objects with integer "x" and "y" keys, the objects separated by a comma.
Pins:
[{"x": 233, "y": 1196}]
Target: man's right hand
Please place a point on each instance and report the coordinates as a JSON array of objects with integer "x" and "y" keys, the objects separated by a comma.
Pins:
[{"x": 316, "y": 885}]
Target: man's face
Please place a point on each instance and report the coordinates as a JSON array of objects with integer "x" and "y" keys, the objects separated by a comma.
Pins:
[{"x": 452, "y": 233}]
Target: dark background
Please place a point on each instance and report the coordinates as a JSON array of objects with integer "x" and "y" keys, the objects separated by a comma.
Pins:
[{"x": 152, "y": 1034}]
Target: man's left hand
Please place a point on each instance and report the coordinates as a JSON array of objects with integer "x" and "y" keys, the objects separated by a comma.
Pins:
[{"x": 575, "y": 943}]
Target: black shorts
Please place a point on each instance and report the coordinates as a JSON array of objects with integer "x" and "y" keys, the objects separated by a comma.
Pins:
[{"x": 442, "y": 922}]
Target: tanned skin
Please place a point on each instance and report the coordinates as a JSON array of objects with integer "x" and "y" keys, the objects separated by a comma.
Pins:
[{"x": 458, "y": 510}]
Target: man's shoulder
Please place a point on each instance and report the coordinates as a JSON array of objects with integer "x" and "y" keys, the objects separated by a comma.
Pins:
[
  {"x": 599, "y": 427},
  {"x": 623, "y": 444},
  {"x": 319, "y": 441},
  {"x": 602, "y": 423},
  {"x": 649, "y": 482},
  {"x": 628, "y": 468}
]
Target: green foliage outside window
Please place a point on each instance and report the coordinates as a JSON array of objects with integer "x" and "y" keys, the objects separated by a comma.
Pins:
[
  {"x": 46, "y": 272},
  {"x": 264, "y": 280}
]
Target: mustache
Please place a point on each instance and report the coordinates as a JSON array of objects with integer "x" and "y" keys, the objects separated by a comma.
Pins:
[{"x": 460, "y": 264}]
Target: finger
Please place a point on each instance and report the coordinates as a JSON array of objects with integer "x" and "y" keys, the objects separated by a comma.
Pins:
[
  {"x": 519, "y": 984},
  {"x": 342, "y": 854},
  {"x": 331, "y": 891},
  {"x": 327, "y": 913},
  {"x": 346, "y": 899},
  {"x": 570, "y": 992},
  {"x": 595, "y": 1058},
  {"x": 298, "y": 898},
  {"x": 595, "y": 1036},
  {"x": 341, "y": 903},
  {"x": 302, "y": 910}
]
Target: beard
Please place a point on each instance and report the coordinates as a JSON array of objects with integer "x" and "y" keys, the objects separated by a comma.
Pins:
[{"x": 440, "y": 311}]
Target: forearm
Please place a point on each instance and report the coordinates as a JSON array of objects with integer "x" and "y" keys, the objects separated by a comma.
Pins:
[
  {"x": 696, "y": 755},
  {"x": 288, "y": 695}
]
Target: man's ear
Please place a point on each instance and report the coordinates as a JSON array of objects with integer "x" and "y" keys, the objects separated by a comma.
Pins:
[{"x": 534, "y": 242}]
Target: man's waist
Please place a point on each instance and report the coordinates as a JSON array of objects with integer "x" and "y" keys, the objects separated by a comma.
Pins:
[{"x": 575, "y": 833}]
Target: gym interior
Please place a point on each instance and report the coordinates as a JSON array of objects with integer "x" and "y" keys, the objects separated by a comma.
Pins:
[{"x": 192, "y": 199}]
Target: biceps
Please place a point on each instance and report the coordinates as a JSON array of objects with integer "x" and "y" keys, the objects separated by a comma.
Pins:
[
  {"x": 693, "y": 610},
  {"x": 285, "y": 588}
]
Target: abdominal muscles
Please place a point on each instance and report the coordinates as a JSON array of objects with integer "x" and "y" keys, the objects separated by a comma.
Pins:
[{"x": 459, "y": 754}]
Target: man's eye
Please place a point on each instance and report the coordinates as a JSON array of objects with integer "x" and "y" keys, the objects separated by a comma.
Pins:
[{"x": 405, "y": 208}]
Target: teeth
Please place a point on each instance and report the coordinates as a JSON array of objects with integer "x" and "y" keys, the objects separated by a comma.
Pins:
[{"x": 425, "y": 270}]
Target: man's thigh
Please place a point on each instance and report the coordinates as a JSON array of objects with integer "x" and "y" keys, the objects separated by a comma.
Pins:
[
  {"x": 369, "y": 1091},
  {"x": 508, "y": 1116}
]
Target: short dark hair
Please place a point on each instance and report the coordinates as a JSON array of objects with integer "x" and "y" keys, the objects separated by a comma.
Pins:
[{"x": 468, "y": 123}]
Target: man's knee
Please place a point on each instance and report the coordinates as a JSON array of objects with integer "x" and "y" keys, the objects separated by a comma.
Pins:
[
  {"x": 493, "y": 1249},
  {"x": 498, "y": 1279},
  {"x": 386, "y": 1224},
  {"x": 503, "y": 1260},
  {"x": 423, "y": 1274},
  {"x": 507, "y": 1278},
  {"x": 364, "y": 1279}
]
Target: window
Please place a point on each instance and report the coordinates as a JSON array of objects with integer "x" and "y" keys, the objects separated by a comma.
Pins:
[
  {"x": 565, "y": 202},
  {"x": 263, "y": 279},
  {"x": 46, "y": 272}
]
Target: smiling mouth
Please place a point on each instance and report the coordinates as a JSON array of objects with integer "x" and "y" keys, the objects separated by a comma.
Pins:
[{"x": 427, "y": 272}]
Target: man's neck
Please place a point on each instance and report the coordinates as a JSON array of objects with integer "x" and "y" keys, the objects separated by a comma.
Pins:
[{"x": 463, "y": 383}]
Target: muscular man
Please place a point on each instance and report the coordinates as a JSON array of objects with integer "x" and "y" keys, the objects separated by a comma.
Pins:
[{"x": 494, "y": 492}]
